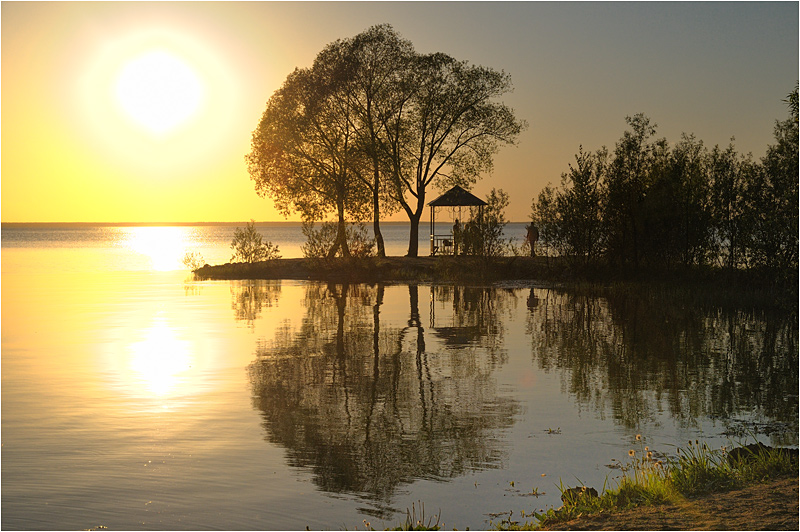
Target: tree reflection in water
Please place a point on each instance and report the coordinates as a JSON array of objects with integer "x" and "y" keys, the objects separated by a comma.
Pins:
[
  {"x": 250, "y": 296},
  {"x": 638, "y": 353},
  {"x": 367, "y": 407}
]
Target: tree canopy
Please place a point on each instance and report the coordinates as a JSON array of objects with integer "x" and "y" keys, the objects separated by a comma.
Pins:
[
  {"x": 372, "y": 125},
  {"x": 652, "y": 204}
]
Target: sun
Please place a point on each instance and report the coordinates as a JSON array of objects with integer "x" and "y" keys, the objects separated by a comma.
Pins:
[{"x": 158, "y": 91}]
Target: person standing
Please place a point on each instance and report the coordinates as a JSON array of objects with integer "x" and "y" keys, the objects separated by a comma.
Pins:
[
  {"x": 531, "y": 237},
  {"x": 456, "y": 236}
]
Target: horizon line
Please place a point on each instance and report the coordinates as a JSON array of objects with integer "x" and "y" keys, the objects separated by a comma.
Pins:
[{"x": 189, "y": 224}]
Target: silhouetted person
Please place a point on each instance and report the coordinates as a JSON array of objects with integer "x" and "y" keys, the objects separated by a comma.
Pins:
[
  {"x": 456, "y": 236},
  {"x": 533, "y": 301},
  {"x": 532, "y": 237}
]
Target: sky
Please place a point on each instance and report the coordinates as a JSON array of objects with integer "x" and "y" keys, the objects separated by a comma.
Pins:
[{"x": 82, "y": 142}]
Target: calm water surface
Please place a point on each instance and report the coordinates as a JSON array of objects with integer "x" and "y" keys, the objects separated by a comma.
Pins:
[{"x": 134, "y": 397}]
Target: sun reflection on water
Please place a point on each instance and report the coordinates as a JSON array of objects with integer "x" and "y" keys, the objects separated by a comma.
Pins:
[
  {"x": 159, "y": 361},
  {"x": 164, "y": 247}
]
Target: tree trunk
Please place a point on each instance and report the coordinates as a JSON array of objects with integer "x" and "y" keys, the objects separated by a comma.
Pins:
[
  {"x": 341, "y": 236},
  {"x": 376, "y": 224},
  {"x": 414, "y": 217},
  {"x": 413, "y": 235}
]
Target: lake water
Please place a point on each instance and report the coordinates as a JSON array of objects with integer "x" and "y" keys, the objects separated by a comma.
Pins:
[{"x": 134, "y": 397}]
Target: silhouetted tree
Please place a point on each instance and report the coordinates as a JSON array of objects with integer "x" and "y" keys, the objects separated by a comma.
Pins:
[
  {"x": 374, "y": 120},
  {"x": 675, "y": 213},
  {"x": 580, "y": 202},
  {"x": 774, "y": 199},
  {"x": 379, "y": 63},
  {"x": 548, "y": 220},
  {"x": 304, "y": 151},
  {"x": 636, "y": 161},
  {"x": 729, "y": 172},
  {"x": 446, "y": 128}
]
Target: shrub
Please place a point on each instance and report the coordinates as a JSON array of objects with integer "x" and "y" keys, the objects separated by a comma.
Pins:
[
  {"x": 247, "y": 245},
  {"x": 193, "y": 260},
  {"x": 320, "y": 241}
]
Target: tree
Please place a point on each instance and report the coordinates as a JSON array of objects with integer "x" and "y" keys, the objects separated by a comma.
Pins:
[
  {"x": 580, "y": 204},
  {"x": 444, "y": 128},
  {"x": 675, "y": 214},
  {"x": 636, "y": 162},
  {"x": 548, "y": 220},
  {"x": 379, "y": 61},
  {"x": 304, "y": 153},
  {"x": 729, "y": 172},
  {"x": 773, "y": 195},
  {"x": 483, "y": 235},
  {"x": 371, "y": 125}
]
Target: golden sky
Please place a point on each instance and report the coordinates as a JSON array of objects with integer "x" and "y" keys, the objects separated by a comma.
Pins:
[{"x": 142, "y": 112}]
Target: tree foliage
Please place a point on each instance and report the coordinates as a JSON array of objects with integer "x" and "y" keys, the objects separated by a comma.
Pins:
[
  {"x": 304, "y": 150},
  {"x": 447, "y": 130},
  {"x": 371, "y": 126},
  {"x": 652, "y": 204}
]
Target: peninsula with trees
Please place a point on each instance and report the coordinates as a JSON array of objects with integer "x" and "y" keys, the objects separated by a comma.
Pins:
[{"x": 374, "y": 127}]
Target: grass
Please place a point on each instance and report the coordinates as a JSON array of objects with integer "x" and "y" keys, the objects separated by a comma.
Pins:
[
  {"x": 414, "y": 520},
  {"x": 697, "y": 470},
  {"x": 647, "y": 480}
]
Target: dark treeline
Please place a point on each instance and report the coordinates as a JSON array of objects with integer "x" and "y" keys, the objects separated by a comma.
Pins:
[{"x": 651, "y": 204}]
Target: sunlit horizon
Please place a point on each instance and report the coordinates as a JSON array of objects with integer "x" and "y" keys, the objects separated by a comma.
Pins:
[{"x": 143, "y": 112}]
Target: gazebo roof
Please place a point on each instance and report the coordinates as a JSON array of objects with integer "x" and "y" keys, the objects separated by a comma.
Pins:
[{"x": 456, "y": 197}]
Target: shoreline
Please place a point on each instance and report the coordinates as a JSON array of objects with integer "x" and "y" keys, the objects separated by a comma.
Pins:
[
  {"x": 768, "y": 505},
  {"x": 778, "y": 290},
  {"x": 388, "y": 269}
]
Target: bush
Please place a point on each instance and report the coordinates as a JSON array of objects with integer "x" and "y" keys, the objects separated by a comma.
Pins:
[
  {"x": 193, "y": 260},
  {"x": 484, "y": 235},
  {"x": 248, "y": 246},
  {"x": 320, "y": 241}
]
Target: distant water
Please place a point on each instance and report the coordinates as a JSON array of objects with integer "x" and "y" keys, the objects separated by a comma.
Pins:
[
  {"x": 134, "y": 397},
  {"x": 146, "y": 248}
]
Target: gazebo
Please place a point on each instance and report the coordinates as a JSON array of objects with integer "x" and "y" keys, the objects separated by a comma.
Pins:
[{"x": 454, "y": 198}]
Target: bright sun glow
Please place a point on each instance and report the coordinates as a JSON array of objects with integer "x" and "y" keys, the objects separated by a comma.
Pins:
[
  {"x": 160, "y": 359},
  {"x": 159, "y": 91},
  {"x": 165, "y": 247}
]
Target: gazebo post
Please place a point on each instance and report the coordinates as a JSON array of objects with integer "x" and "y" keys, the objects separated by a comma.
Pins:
[{"x": 433, "y": 219}]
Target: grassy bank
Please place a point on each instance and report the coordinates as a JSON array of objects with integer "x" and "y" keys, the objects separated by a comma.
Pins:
[
  {"x": 751, "y": 487},
  {"x": 697, "y": 471}
]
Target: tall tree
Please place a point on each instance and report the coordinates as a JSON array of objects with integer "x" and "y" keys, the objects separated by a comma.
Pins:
[
  {"x": 728, "y": 174},
  {"x": 304, "y": 150},
  {"x": 675, "y": 215},
  {"x": 379, "y": 61},
  {"x": 637, "y": 159},
  {"x": 445, "y": 128},
  {"x": 580, "y": 203},
  {"x": 774, "y": 195}
]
